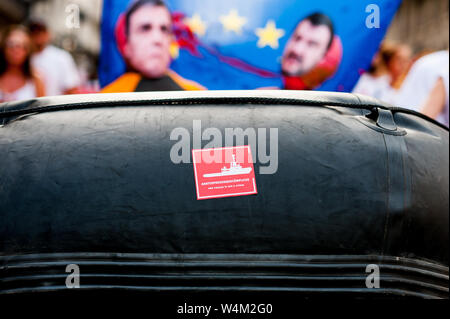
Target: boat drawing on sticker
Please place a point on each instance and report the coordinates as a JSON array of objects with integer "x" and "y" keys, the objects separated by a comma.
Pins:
[{"x": 234, "y": 169}]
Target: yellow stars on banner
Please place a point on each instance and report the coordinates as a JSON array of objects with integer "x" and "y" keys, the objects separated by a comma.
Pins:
[
  {"x": 197, "y": 25},
  {"x": 233, "y": 22},
  {"x": 269, "y": 35}
]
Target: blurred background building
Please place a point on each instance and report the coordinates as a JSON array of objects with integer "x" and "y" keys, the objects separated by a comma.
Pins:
[
  {"x": 13, "y": 11},
  {"x": 422, "y": 24}
]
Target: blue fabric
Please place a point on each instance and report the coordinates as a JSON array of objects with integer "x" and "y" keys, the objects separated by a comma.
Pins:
[{"x": 349, "y": 17}]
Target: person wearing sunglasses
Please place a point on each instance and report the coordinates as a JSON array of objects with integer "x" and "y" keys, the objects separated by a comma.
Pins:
[{"x": 18, "y": 81}]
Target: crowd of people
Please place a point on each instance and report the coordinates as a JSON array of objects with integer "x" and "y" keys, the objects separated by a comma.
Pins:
[
  {"x": 420, "y": 83},
  {"x": 31, "y": 67}
]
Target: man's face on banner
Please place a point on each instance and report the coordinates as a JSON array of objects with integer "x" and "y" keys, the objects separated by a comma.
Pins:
[
  {"x": 149, "y": 38},
  {"x": 306, "y": 47}
]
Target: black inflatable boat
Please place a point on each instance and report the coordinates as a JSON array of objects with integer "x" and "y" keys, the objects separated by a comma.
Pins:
[{"x": 90, "y": 180}]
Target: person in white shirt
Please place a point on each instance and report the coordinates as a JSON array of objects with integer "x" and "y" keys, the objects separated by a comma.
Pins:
[
  {"x": 376, "y": 80},
  {"x": 387, "y": 72},
  {"x": 372, "y": 85},
  {"x": 18, "y": 80},
  {"x": 426, "y": 88},
  {"x": 56, "y": 65}
]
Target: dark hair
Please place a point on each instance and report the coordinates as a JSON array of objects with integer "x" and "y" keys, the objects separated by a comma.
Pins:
[
  {"x": 137, "y": 5},
  {"x": 388, "y": 53},
  {"x": 26, "y": 67},
  {"x": 317, "y": 19},
  {"x": 36, "y": 25}
]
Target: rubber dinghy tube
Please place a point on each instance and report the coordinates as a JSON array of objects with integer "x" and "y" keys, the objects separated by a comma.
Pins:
[{"x": 342, "y": 181}]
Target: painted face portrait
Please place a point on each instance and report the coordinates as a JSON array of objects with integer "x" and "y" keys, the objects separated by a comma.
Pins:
[
  {"x": 149, "y": 35},
  {"x": 306, "y": 48}
]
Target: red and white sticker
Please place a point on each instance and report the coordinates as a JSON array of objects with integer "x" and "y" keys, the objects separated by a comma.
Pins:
[{"x": 224, "y": 172}]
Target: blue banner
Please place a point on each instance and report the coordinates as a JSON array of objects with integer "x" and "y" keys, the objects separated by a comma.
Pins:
[{"x": 239, "y": 44}]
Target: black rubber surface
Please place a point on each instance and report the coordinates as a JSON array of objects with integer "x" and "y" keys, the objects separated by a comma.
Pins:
[{"x": 93, "y": 174}]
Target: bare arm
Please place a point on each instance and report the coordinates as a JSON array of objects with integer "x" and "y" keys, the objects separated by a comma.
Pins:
[
  {"x": 436, "y": 101},
  {"x": 74, "y": 90},
  {"x": 40, "y": 87}
]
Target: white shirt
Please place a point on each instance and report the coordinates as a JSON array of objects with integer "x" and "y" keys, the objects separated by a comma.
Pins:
[
  {"x": 26, "y": 92},
  {"x": 421, "y": 80},
  {"x": 373, "y": 86},
  {"x": 57, "y": 69}
]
